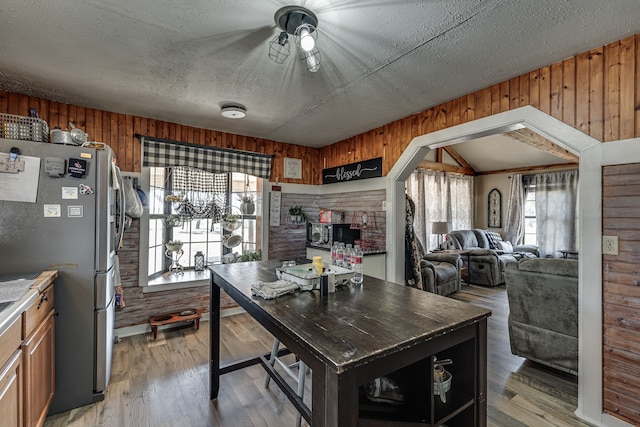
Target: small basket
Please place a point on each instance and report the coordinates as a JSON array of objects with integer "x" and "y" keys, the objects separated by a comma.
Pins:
[{"x": 23, "y": 127}]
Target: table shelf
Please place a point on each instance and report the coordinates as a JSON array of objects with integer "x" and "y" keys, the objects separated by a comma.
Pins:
[{"x": 422, "y": 406}]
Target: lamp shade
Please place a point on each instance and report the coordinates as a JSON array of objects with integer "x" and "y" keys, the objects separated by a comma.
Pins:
[{"x": 438, "y": 227}]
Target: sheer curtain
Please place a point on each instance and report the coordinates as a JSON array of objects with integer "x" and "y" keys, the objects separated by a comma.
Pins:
[
  {"x": 440, "y": 196},
  {"x": 556, "y": 211},
  {"x": 514, "y": 220}
]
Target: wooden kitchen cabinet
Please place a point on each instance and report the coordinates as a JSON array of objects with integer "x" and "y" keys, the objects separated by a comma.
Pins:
[
  {"x": 38, "y": 350},
  {"x": 11, "y": 389},
  {"x": 11, "y": 403},
  {"x": 27, "y": 356}
]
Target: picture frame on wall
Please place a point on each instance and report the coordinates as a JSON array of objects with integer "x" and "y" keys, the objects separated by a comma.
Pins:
[
  {"x": 292, "y": 168},
  {"x": 494, "y": 203}
]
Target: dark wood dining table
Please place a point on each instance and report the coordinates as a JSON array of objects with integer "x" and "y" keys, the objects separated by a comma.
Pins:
[{"x": 357, "y": 334}]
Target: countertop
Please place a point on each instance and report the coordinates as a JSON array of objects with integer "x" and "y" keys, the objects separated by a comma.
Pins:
[
  {"x": 364, "y": 252},
  {"x": 12, "y": 310}
]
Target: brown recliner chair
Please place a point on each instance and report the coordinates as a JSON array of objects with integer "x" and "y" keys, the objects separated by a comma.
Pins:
[{"x": 441, "y": 273}]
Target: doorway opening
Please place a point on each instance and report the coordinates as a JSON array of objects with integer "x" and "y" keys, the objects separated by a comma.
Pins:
[{"x": 589, "y": 214}]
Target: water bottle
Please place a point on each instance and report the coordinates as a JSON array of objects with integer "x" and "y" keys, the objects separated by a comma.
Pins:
[
  {"x": 347, "y": 256},
  {"x": 334, "y": 254},
  {"x": 340, "y": 254},
  {"x": 357, "y": 265}
]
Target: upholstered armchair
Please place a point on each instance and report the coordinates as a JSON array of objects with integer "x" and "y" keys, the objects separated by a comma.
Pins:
[
  {"x": 485, "y": 254},
  {"x": 543, "y": 311},
  {"x": 441, "y": 273}
]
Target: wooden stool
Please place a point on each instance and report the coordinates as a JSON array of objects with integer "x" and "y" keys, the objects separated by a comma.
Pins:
[{"x": 166, "y": 319}]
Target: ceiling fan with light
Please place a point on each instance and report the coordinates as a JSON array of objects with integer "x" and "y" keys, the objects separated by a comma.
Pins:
[{"x": 302, "y": 24}]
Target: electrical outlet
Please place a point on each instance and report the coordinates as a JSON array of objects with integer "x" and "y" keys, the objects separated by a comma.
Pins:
[
  {"x": 609, "y": 245},
  {"x": 384, "y": 205}
]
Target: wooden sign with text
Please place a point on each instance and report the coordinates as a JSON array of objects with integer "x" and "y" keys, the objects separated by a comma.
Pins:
[{"x": 352, "y": 172}]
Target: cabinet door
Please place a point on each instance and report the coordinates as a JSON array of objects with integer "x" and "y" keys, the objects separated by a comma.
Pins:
[
  {"x": 38, "y": 350},
  {"x": 11, "y": 391},
  {"x": 375, "y": 266}
]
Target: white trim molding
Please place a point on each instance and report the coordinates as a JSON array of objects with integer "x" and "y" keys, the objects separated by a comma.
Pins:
[{"x": 593, "y": 155}]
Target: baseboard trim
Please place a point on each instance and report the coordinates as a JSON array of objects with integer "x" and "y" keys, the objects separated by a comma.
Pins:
[{"x": 144, "y": 328}]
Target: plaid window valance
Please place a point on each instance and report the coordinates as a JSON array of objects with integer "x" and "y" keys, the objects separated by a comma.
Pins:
[
  {"x": 166, "y": 154},
  {"x": 185, "y": 180}
]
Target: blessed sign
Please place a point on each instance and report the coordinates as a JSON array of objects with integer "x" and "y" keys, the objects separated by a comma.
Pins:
[{"x": 354, "y": 171}]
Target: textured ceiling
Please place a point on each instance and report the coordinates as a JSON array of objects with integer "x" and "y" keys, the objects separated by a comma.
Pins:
[{"x": 381, "y": 60}]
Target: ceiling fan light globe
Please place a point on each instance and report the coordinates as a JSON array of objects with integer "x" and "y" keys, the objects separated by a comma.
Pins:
[
  {"x": 307, "y": 43},
  {"x": 312, "y": 59},
  {"x": 279, "y": 48}
]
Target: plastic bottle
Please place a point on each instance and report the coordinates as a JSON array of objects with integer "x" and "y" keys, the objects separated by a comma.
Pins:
[
  {"x": 347, "y": 256},
  {"x": 334, "y": 255},
  {"x": 357, "y": 265},
  {"x": 340, "y": 254}
]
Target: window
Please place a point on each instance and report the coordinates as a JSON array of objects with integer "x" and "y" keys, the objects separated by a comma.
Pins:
[
  {"x": 530, "y": 220},
  {"x": 200, "y": 232},
  {"x": 551, "y": 211},
  {"x": 440, "y": 196}
]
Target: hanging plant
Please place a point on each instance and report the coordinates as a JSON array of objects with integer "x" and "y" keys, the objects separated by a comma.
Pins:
[
  {"x": 173, "y": 221},
  {"x": 247, "y": 205}
]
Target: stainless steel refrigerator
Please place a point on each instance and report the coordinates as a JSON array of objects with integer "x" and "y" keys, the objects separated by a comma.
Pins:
[{"x": 62, "y": 212}]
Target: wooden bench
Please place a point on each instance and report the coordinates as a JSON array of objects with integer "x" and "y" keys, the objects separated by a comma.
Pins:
[{"x": 169, "y": 318}]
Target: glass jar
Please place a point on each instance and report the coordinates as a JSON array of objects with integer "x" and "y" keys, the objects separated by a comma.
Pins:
[{"x": 198, "y": 261}]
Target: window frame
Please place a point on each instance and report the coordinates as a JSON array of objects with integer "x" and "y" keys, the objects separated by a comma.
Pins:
[{"x": 260, "y": 239}]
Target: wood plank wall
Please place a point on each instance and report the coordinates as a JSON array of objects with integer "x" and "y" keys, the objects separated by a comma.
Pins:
[
  {"x": 597, "y": 92},
  {"x": 621, "y": 292},
  {"x": 119, "y": 130},
  {"x": 139, "y": 306},
  {"x": 287, "y": 240}
]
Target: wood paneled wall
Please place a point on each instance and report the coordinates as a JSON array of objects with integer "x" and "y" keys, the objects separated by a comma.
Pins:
[
  {"x": 621, "y": 292},
  {"x": 119, "y": 130},
  {"x": 140, "y": 306},
  {"x": 287, "y": 240},
  {"x": 597, "y": 92}
]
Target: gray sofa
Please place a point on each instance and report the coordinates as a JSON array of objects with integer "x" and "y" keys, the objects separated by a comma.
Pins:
[
  {"x": 543, "y": 311},
  {"x": 441, "y": 273},
  {"x": 486, "y": 254}
]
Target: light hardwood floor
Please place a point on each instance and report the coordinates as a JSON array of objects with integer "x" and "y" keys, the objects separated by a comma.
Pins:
[{"x": 164, "y": 382}]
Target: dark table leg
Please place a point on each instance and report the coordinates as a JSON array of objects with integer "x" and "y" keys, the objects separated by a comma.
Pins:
[
  {"x": 481, "y": 411},
  {"x": 214, "y": 340},
  {"x": 334, "y": 398}
]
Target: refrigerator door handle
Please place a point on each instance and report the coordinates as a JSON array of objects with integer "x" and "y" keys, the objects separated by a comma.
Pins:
[{"x": 122, "y": 208}]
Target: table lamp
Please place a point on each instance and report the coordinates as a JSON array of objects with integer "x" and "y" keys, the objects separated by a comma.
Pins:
[{"x": 439, "y": 228}]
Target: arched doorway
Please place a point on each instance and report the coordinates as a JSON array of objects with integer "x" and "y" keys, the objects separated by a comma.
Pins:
[{"x": 590, "y": 225}]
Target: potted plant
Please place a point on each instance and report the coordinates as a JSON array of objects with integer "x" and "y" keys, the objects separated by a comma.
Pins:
[
  {"x": 231, "y": 222},
  {"x": 174, "y": 245},
  {"x": 247, "y": 205},
  {"x": 251, "y": 256},
  {"x": 173, "y": 221},
  {"x": 296, "y": 214}
]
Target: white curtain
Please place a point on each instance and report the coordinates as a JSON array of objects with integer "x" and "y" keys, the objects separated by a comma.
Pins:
[
  {"x": 441, "y": 197},
  {"x": 556, "y": 211},
  {"x": 514, "y": 219}
]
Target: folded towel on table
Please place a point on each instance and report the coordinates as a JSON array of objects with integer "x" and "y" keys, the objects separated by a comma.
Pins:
[{"x": 270, "y": 290}]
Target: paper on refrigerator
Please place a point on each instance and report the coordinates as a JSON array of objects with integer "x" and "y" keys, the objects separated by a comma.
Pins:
[{"x": 21, "y": 186}]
